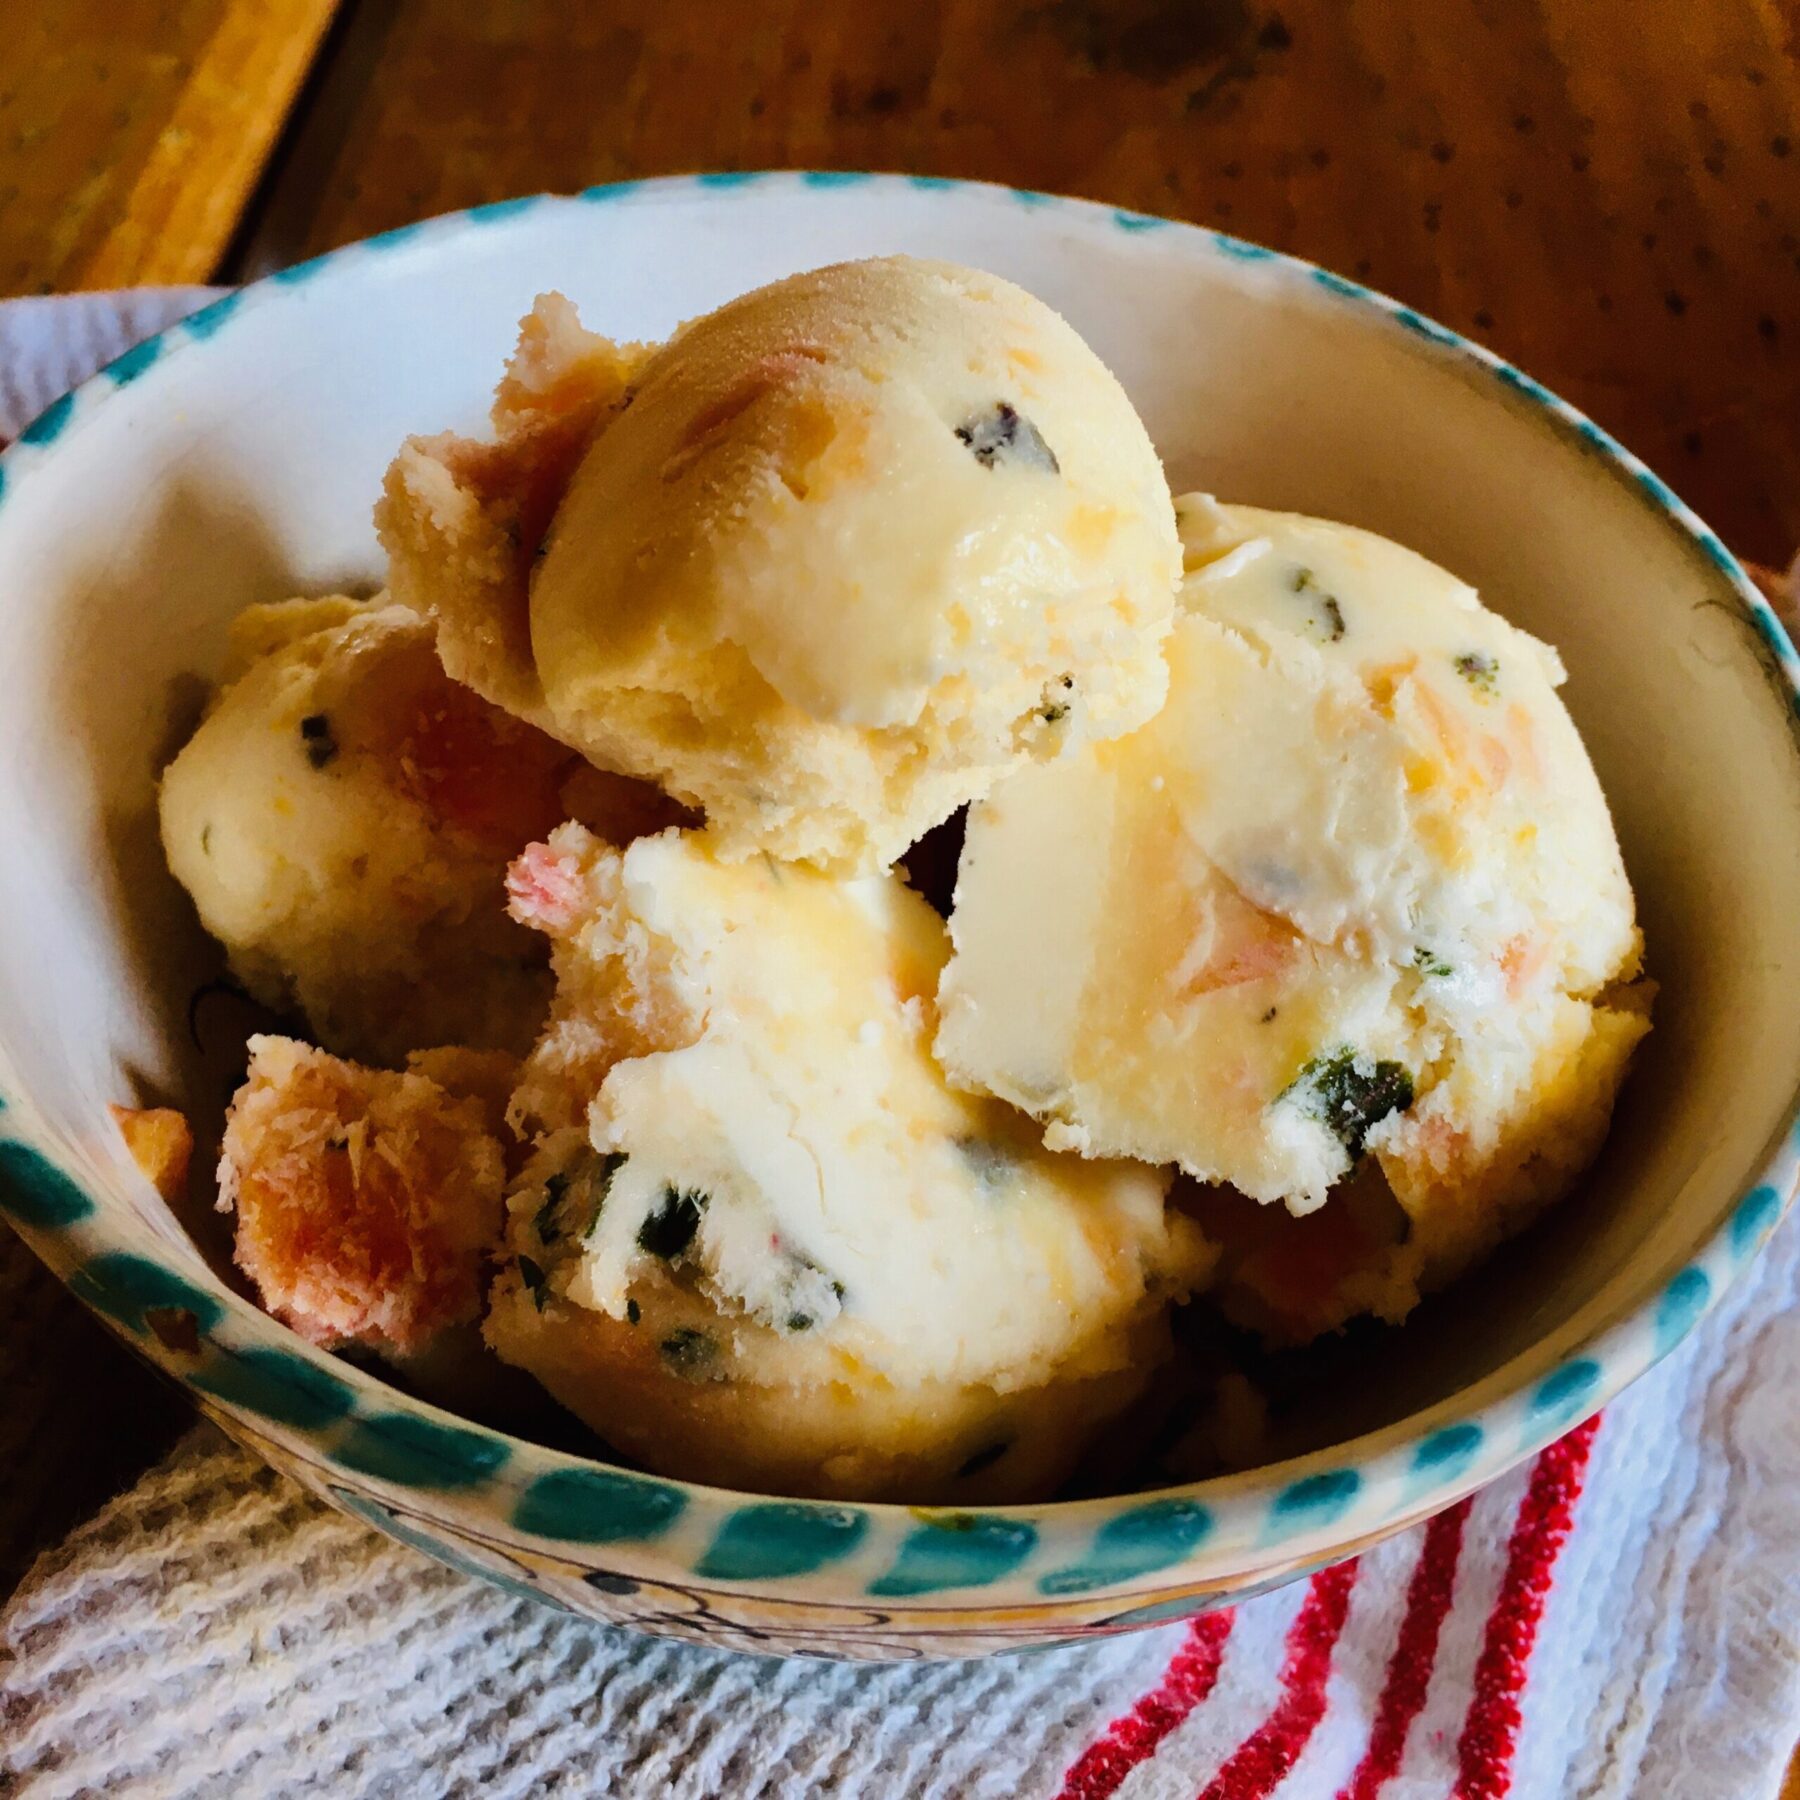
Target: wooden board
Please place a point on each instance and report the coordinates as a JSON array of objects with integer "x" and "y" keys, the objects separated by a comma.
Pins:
[
  {"x": 1611, "y": 196},
  {"x": 132, "y": 132}
]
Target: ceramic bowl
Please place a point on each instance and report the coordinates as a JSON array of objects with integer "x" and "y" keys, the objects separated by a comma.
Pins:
[{"x": 236, "y": 457}]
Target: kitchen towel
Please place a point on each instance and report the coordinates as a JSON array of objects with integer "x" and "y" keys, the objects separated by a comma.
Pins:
[{"x": 1620, "y": 1617}]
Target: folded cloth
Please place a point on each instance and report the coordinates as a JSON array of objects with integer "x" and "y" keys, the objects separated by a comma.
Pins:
[
  {"x": 1621, "y": 1617},
  {"x": 49, "y": 344}
]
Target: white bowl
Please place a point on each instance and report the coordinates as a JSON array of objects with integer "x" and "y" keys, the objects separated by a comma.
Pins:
[{"x": 236, "y": 459}]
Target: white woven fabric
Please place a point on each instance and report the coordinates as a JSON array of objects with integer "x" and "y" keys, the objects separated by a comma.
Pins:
[
  {"x": 48, "y": 345},
  {"x": 215, "y": 1631}
]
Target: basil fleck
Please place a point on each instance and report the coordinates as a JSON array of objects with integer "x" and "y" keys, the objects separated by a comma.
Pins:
[
  {"x": 1003, "y": 434},
  {"x": 536, "y": 1282},
  {"x": 545, "y": 1222},
  {"x": 315, "y": 734},
  {"x": 1479, "y": 670},
  {"x": 689, "y": 1352},
  {"x": 1428, "y": 962},
  {"x": 984, "y": 1458},
  {"x": 1350, "y": 1095},
  {"x": 1055, "y": 707},
  {"x": 1332, "y": 621},
  {"x": 669, "y": 1230},
  {"x": 991, "y": 1164},
  {"x": 610, "y": 1164}
]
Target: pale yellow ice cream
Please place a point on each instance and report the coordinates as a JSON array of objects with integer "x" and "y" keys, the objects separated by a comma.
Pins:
[
  {"x": 838, "y": 556},
  {"x": 1355, "y": 888},
  {"x": 762, "y": 1242},
  {"x": 343, "y": 819}
]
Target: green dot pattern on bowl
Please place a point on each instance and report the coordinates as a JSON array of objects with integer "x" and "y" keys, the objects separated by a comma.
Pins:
[
  {"x": 1756, "y": 1213},
  {"x": 35, "y": 1193},
  {"x": 128, "y": 367},
  {"x": 1683, "y": 1301},
  {"x": 420, "y": 1453},
  {"x": 1312, "y": 1502},
  {"x": 47, "y": 426},
  {"x": 957, "y": 1550},
  {"x": 758, "y": 1543},
  {"x": 597, "y": 1506},
  {"x": 1559, "y": 1396},
  {"x": 209, "y": 318},
  {"x": 274, "y": 1385},
  {"x": 1135, "y": 1543},
  {"x": 1445, "y": 1454},
  {"x": 130, "y": 1288},
  {"x": 496, "y": 210}
]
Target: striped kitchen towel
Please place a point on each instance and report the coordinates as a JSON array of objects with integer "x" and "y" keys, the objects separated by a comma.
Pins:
[
  {"x": 1620, "y": 1617},
  {"x": 1616, "y": 1619}
]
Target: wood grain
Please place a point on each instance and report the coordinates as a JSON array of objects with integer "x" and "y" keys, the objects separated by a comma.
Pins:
[
  {"x": 1610, "y": 196},
  {"x": 132, "y": 132}
]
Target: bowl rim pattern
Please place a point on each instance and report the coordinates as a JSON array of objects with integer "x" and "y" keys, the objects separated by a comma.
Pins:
[{"x": 358, "y": 1433}]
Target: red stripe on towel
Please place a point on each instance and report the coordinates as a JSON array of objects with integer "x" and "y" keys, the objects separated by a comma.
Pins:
[
  {"x": 1133, "y": 1737},
  {"x": 1253, "y": 1769},
  {"x": 1414, "y": 1659},
  {"x": 1490, "y": 1734}
]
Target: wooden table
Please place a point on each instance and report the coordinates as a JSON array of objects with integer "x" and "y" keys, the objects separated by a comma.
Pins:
[{"x": 1607, "y": 193}]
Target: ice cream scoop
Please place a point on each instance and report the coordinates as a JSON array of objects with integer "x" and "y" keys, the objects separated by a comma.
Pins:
[
  {"x": 1354, "y": 890},
  {"x": 762, "y": 1241},
  {"x": 836, "y": 558}
]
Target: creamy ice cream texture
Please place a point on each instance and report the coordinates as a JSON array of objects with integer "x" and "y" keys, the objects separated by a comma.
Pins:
[
  {"x": 1355, "y": 889},
  {"x": 1285, "y": 866},
  {"x": 343, "y": 818},
  {"x": 848, "y": 549},
  {"x": 759, "y": 1200}
]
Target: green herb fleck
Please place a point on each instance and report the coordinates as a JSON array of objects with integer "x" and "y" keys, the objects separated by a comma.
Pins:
[
  {"x": 536, "y": 1282},
  {"x": 1350, "y": 1095},
  {"x": 1428, "y": 962},
  {"x": 984, "y": 1458},
  {"x": 601, "y": 1185},
  {"x": 633, "y": 1312},
  {"x": 799, "y": 1321},
  {"x": 1003, "y": 435},
  {"x": 545, "y": 1223},
  {"x": 206, "y": 839},
  {"x": 991, "y": 1164},
  {"x": 315, "y": 735},
  {"x": 669, "y": 1230},
  {"x": 1479, "y": 670},
  {"x": 1056, "y": 707},
  {"x": 1332, "y": 623},
  {"x": 689, "y": 1352}
]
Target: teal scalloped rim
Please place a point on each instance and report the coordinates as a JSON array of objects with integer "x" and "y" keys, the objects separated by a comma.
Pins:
[{"x": 356, "y": 1427}]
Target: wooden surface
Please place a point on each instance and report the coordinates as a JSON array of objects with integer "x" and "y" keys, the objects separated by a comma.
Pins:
[
  {"x": 1608, "y": 193},
  {"x": 132, "y": 132}
]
